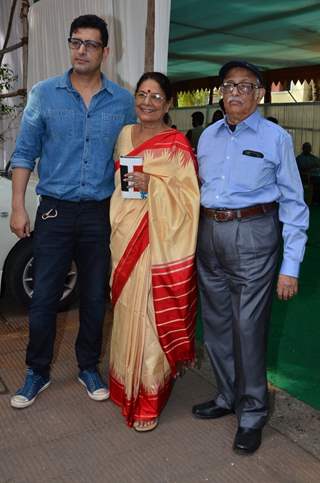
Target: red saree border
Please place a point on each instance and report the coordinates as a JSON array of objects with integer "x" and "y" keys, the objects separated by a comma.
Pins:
[
  {"x": 168, "y": 139},
  {"x": 175, "y": 304},
  {"x": 145, "y": 406},
  {"x": 131, "y": 255}
]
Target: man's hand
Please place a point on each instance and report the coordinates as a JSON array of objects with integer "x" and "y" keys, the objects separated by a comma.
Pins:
[
  {"x": 287, "y": 287},
  {"x": 20, "y": 223}
]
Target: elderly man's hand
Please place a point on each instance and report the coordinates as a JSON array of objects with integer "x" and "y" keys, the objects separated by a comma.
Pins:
[{"x": 287, "y": 287}]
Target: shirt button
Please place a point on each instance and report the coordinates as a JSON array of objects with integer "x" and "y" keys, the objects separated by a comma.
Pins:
[
  {"x": 228, "y": 157},
  {"x": 217, "y": 197},
  {"x": 88, "y": 116},
  {"x": 232, "y": 139},
  {"x": 86, "y": 162},
  {"x": 83, "y": 184},
  {"x": 87, "y": 140},
  {"x": 222, "y": 177}
]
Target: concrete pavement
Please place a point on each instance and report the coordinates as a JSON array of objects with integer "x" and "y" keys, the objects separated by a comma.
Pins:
[{"x": 67, "y": 438}]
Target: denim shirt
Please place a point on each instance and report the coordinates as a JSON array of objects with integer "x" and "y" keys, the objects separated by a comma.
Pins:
[
  {"x": 252, "y": 165},
  {"x": 74, "y": 143}
]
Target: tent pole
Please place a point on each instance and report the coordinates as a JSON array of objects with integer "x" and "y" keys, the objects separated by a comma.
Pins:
[
  {"x": 25, "y": 5},
  {"x": 149, "y": 37}
]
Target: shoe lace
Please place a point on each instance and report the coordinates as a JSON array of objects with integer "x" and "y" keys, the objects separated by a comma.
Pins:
[
  {"x": 30, "y": 381},
  {"x": 93, "y": 381}
]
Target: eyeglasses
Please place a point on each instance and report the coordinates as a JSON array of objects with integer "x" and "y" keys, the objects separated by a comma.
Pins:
[
  {"x": 243, "y": 87},
  {"x": 153, "y": 96},
  {"x": 90, "y": 45}
]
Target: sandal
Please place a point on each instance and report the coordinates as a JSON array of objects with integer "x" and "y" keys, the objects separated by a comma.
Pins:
[{"x": 147, "y": 425}]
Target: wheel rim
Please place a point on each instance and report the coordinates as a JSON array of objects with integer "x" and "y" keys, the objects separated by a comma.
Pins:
[{"x": 69, "y": 283}]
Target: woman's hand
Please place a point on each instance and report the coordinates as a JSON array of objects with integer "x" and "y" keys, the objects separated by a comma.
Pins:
[{"x": 137, "y": 180}]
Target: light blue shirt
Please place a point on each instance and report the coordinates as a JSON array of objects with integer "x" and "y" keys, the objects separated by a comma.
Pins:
[
  {"x": 252, "y": 165},
  {"x": 74, "y": 143}
]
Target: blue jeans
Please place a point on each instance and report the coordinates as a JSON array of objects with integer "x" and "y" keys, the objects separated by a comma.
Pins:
[{"x": 80, "y": 232}]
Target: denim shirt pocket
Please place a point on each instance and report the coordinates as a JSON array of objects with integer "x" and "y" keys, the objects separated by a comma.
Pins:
[
  {"x": 61, "y": 123},
  {"x": 111, "y": 125}
]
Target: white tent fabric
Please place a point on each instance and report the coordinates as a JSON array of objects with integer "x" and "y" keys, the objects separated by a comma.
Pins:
[
  {"x": 49, "y": 29},
  {"x": 14, "y": 58},
  {"x": 162, "y": 27},
  {"x": 9, "y": 125},
  {"x": 49, "y": 24}
]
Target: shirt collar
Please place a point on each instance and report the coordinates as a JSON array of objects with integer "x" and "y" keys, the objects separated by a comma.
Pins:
[
  {"x": 65, "y": 82},
  {"x": 251, "y": 121}
]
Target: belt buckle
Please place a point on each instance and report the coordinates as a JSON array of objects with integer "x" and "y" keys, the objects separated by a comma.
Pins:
[{"x": 219, "y": 216}]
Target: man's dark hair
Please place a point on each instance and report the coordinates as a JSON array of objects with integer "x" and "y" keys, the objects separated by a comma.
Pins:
[
  {"x": 91, "y": 22},
  {"x": 306, "y": 148},
  {"x": 198, "y": 118},
  {"x": 161, "y": 79},
  {"x": 273, "y": 119},
  {"x": 217, "y": 115}
]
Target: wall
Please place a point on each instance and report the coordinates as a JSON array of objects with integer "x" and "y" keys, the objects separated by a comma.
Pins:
[{"x": 301, "y": 120}]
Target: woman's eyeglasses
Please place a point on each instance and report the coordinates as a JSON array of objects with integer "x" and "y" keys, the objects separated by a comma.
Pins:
[
  {"x": 154, "y": 97},
  {"x": 90, "y": 45}
]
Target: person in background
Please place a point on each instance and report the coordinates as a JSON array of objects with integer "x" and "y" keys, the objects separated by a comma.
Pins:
[
  {"x": 167, "y": 119},
  {"x": 216, "y": 116},
  {"x": 309, "y": 169},
  {"x": 153, "y": 241},
  {"x": 221, "y": 104},
  {"x": 272, "y": 119},
  {"x": 71, "y": 122},
  {"x": 307, "y": 161},
  {"x": 194, "y": 134},
  {"x": 249, "y": 185}
]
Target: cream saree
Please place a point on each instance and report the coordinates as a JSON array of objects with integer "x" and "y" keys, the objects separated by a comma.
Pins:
[{"x": 153, "y": 282}]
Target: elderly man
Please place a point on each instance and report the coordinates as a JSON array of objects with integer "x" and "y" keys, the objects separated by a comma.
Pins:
[{"x": 250, "y": 183}]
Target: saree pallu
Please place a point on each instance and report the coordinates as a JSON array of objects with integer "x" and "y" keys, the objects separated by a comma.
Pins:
[{"x": 153, "y": 282}]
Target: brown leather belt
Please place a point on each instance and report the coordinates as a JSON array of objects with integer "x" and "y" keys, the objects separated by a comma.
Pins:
[{"x": 228, "y": 215}]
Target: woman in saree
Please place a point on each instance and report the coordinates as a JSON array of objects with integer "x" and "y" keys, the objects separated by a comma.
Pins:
[{"x": 153, "y": 241}]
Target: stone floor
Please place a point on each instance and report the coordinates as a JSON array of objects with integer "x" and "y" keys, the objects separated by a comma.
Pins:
[{"x": 67, "y": 438}]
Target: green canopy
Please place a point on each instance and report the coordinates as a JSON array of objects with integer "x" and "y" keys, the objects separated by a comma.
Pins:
[{"x": 272, "y": 34}]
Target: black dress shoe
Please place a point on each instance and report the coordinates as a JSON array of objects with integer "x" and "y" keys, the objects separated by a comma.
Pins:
[
  {"x": 209, "y": 410},
  {"x": 247, "y": 440}
]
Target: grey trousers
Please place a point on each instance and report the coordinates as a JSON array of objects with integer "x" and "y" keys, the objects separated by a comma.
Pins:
[{"x": 237, "y": 263}]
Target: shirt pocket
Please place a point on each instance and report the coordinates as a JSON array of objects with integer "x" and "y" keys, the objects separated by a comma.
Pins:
[
  {"x": 250, "y": 173},
  {"x": 110, "y": 126},
  {"x": 61, "y": 124}
]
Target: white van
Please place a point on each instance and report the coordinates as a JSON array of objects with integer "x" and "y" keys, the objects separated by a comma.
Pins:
[{"x": 16, "y": 255}]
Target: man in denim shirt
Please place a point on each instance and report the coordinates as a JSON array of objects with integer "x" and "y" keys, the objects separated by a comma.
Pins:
[{"x": 71, "y": 124}]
